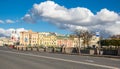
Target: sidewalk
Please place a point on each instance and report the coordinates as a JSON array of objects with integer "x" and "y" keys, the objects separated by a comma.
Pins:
[{"x": 107, "y": 56}]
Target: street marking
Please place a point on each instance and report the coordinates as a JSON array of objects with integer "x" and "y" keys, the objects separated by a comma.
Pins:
[
  {"x": 89, "y": 60},
  {"x": 65, "y": 60},
  {"x": 114, "y": 59}
]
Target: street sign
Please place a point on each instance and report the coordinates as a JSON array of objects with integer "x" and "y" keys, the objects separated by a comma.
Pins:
[{"x": 97, "y": 34}]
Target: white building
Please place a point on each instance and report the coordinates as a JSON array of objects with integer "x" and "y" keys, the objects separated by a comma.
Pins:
[
  {"x": 14, "y": 37},
  {"x": 92, "y": 43},
  {"x": 7, "y": 41}
]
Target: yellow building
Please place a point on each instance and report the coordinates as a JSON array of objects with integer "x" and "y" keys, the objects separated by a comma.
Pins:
[
  {"x": 37, "y": 39},
  {"x": 1, "y": 43},
  {"x": 76, "y": 42},
  {"x": 6, "y": 41},
  {"x": 29, "y": 38},
  {"x": 47, "y": 40},
  {"x": 40, "y": 39}
]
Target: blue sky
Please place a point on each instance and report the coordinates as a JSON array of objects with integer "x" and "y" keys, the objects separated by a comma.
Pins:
[{"x": 16, "y": 9}]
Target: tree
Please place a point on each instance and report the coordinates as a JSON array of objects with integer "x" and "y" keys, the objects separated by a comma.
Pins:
[
  {"x": 78, "y": 34},
  {"x": 111, "y": 42},
  {"x": 85, "y": 35}
]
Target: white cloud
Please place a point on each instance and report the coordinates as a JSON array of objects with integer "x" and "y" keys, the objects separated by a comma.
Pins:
[
  {"x": 9, "y": 21},
  {"x": 114, "y": 28},
  {"x": 1, "y": 21},
  {"x": 20, "y": 30},
  {"x": 74, "y": 18},
  {"x": 28, "y": 18},
  {"x": 2, "y": 31},
  {"x": 8, "y": 32},
  {"x": 106, "y": 15},
  {"x": 117, "y": 22}
]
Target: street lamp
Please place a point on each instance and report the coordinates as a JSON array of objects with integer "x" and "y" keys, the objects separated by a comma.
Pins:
[{"x": 99, "y": 44}]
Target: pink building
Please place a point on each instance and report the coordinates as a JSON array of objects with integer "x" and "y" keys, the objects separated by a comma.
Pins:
[{"x": 65, "y": 42}]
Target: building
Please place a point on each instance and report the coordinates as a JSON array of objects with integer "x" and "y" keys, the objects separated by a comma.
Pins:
[
  {"x": 14, "y": 37},
  {"x": 47, "y": 40},
  {"x": 40, "y": 39},
  {"x": 92, "y": 43},
  {"x": 76, "y": 42},
  {"x": 29, "y": 38},
  {"x": 6, "y": 41},
  {"x": 64, "y": 41},
  {"x": 1, "y": 42}
]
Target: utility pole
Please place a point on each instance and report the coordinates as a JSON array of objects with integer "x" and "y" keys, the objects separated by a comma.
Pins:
[
  {"x": 79, "y": 44},
  {"x": 99, "y": 44}
]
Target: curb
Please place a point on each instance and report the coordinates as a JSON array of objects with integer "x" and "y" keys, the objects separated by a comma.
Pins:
[{"x": 107, "y": 56}]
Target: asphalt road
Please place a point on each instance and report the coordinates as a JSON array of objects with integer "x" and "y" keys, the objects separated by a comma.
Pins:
[{"x": 13, "y": 59}]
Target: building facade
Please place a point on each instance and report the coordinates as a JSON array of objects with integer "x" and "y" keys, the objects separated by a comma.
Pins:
[
  {"x": 28, "y": 38},
  {"x": 92, "y": 43},
  {"x": 64, "y": 42},
  {"x": 6, "y": 41},
  {"x": 49, "y": 40},
  {"x": 37, "y": 39}
]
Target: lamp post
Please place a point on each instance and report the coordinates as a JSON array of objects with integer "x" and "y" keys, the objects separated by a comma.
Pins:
[{"x": 99, "y": 44}]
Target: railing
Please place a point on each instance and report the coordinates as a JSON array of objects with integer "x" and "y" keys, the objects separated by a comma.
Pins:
[{"x": 66, "y": 50}]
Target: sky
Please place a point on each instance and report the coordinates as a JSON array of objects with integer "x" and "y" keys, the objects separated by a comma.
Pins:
[{"x": 61, "y": 16}]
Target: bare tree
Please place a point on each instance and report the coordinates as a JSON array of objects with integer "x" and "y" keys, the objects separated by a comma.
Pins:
[
  {"x": 78, "y": 34},
  {"x": 85, "y": 35}
]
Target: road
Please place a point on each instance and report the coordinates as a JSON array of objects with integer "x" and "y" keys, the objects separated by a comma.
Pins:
[{"x": 13, "y": 59}]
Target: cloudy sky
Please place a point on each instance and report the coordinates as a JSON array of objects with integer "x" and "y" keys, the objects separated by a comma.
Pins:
[{"x": 61, "y": 16}]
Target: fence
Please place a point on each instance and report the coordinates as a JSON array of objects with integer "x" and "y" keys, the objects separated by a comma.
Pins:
[{"x": 67, "y": 50}]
